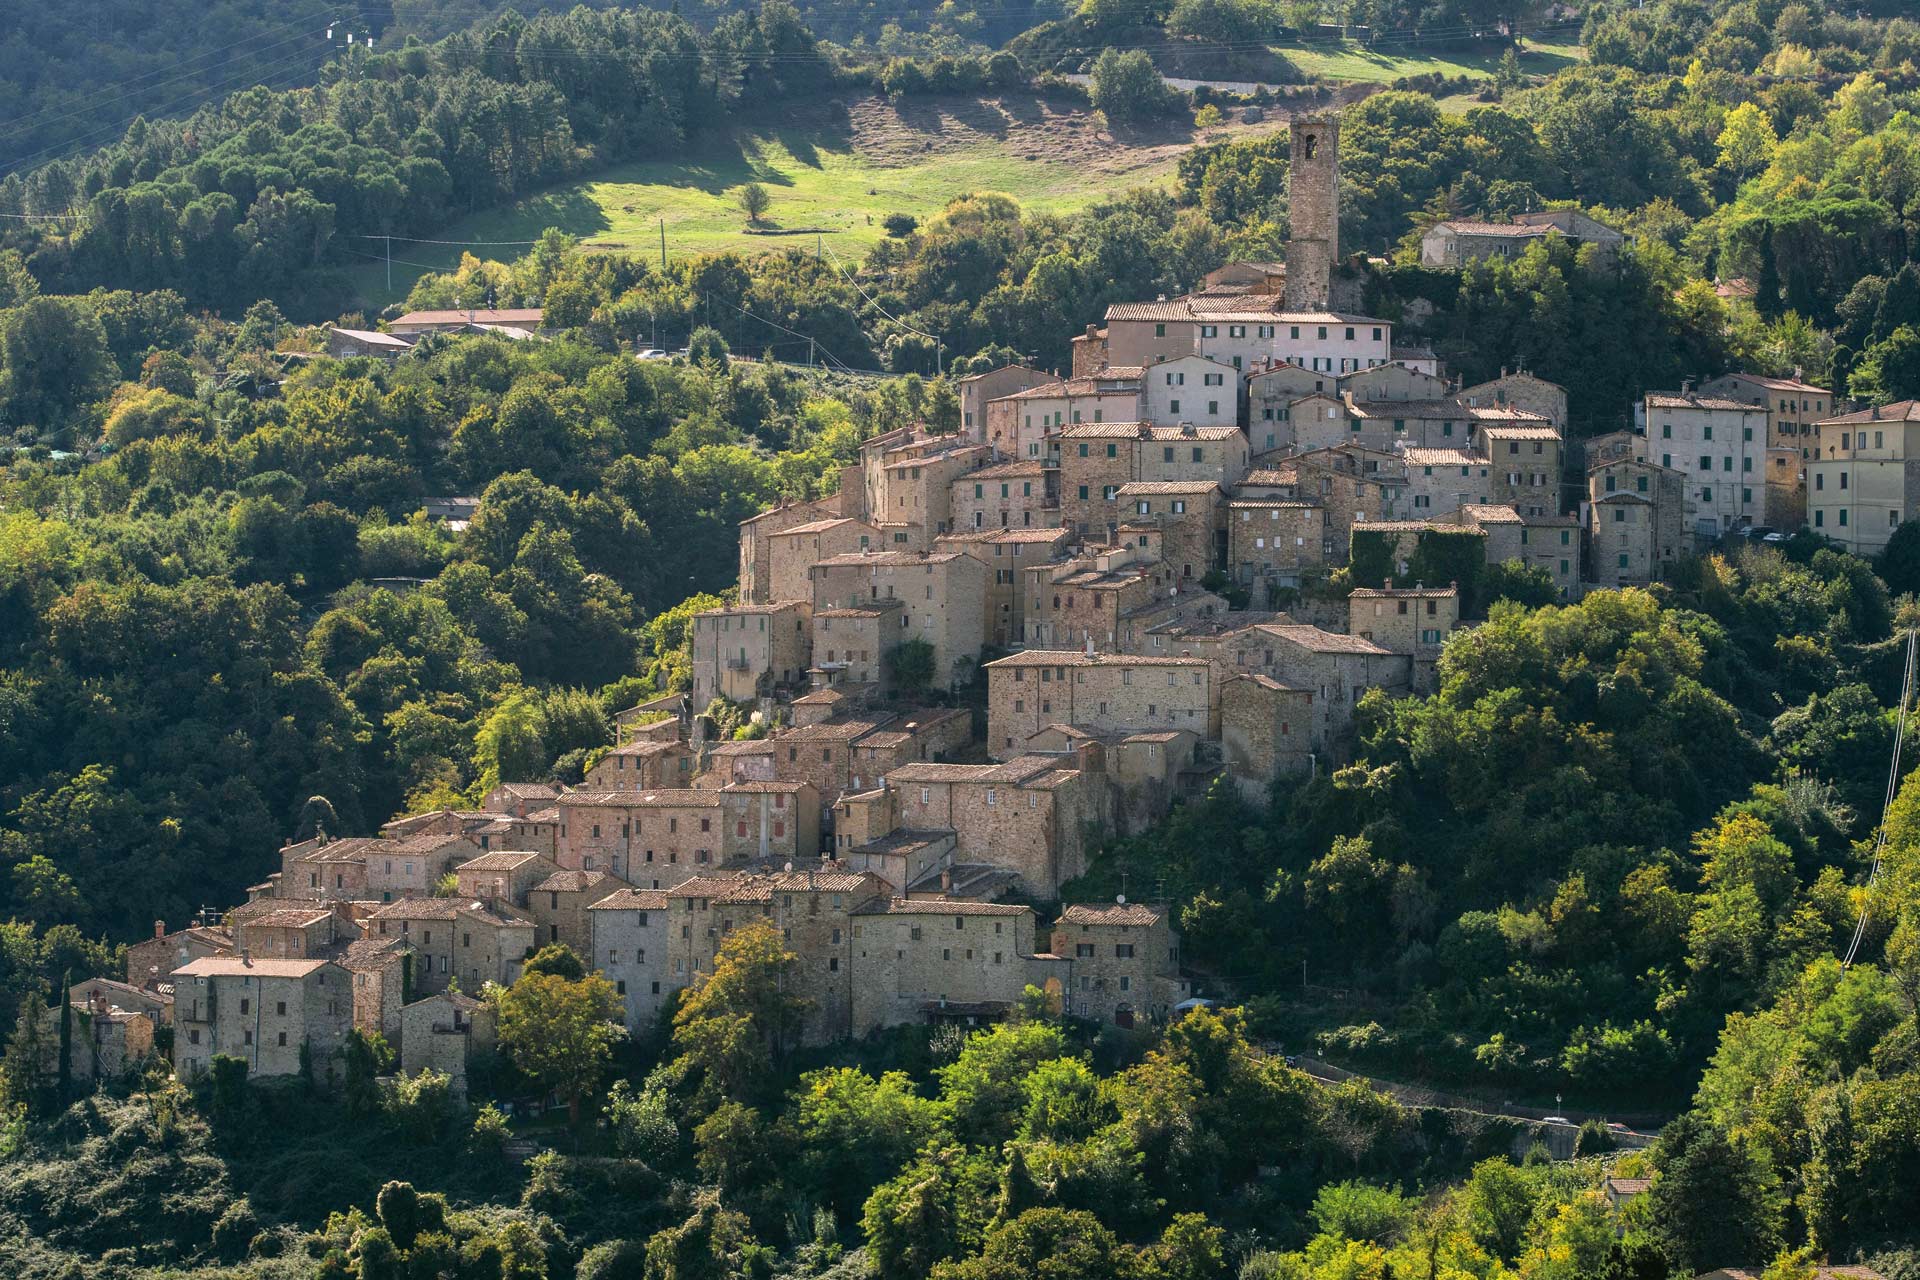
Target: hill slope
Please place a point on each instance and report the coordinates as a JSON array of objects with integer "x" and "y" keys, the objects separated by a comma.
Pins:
[{"x": 835, "y": 172}]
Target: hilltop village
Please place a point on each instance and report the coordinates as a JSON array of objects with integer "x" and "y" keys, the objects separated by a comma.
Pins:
[{"x": 992, "y": 648}]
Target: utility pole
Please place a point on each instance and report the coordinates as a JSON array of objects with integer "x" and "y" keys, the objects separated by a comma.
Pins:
[
  {"x": 389, "y": 240},
  {"x": 663, "y": 244}
]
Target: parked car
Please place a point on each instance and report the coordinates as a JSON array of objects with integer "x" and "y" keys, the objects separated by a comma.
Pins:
[
  {"x": 1555, "y": 1120},
  {"x": 650, "y": 353}
]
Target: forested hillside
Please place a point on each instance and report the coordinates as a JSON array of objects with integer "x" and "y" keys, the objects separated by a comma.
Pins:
[{"x": 1611, "y": 863}]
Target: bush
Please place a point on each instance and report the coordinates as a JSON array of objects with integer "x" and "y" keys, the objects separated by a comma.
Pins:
[
  {"x": 1127, "y": 86},
  {"x": 490, "y": 1133},
  {"x": 234, "y": 1230},
  {"x": 900, "y": 225},
  {"x": 422, "y": 1106},
  {"x": 1593, "y": 1139}
]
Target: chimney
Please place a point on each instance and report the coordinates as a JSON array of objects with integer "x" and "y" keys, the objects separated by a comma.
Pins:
[
  {"x": 246, "y": 957},
  {"x": 159, "y": 928},
  {"x": 946, "y": 881}
]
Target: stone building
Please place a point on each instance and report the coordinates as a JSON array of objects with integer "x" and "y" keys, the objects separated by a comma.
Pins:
[
  {"x": 1335, "y": 668},
  {"x": 381, "y": 973},
  {"x": 1440, "y": 481},
  {"x": 918, "y": 960},
  {"x": 812, "y": 912},
  {"x": 1009, "y": 495},
  {"x": 1274, "y": 539},
  {"x": 642, "y": 764},
  {"x": 1005, "y": 554},
  {"x": 1028, "y": 691},
  {"x": 154, "y": 1005},
  {"x": 1458, "y": 241},
  {"x": 629, "y": 930},
  {"x": 1519, "y": 389},
  {"x": 153, "y": 960},
  {"x": 1414, "y": 621},
  {"x": 1034, "y": 815},
  {"x": 559, "y": 903},
  {"x": 792, "y": 553},
  {"x": 1126, "y": 962},
  {"x": 757, "y": 531},
  {"x": 1266, "y": 731},
  {"x": 105, "y": 1039},
  {"x": 1526, "y": 467},
  {"x": 1189, "y": 518},
  {"x": 504, "y": 876},
  {"x": 458, "y": 940},
  {"x": 1085, "y": 599},
  {"x": 263, "y": 1011},
  {"x": 514, "y": 798},
  {"x": 1021, "y": 426},
  {"x": 942, "y": 600},
  {"x": 654, "y": 839},
  {"x": 850, "y": 644},
  {"x": 1636, "y": 522},
  {"x": 1313, "y": 211},
  {"x": 1549, "y": 543},
  {"x": 915, "y": 488},
  {"x": 748, "y": 651},
  {"x": 446, "y": 1032},
  {"x": 977, "y": 389},
  {"x": 1193, "y": 391},
  {"x": 274, "y": 930}
]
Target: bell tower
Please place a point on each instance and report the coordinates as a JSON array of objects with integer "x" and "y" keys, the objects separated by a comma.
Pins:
[{"x": 1313, "y": 207}]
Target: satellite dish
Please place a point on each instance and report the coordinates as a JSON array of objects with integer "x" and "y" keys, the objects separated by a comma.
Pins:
[
  {"x": 1120, "y": 898},
  {"x": 789, "y": 866}
]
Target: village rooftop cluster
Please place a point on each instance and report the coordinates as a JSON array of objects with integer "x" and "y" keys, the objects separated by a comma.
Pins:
[{"x": 1073, "y": 547}]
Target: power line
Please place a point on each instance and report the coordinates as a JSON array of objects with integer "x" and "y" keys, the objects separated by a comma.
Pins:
[
  {"x": 168, "y": 74},
  {"x": 468, "y": 243},
  {"x": 1886, "y": 807},
  {"x": 285, "y": 69},
  {"x": 939, "y": 341}
]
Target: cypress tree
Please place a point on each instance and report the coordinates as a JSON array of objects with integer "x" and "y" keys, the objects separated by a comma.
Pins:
[{"x": 65, "y": 1085}]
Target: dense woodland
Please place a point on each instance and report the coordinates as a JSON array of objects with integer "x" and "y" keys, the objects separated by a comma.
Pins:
[{"x": 1614, "y": 858}]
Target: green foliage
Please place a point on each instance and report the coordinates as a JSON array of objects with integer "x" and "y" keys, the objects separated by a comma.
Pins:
[
  {"x": 732, "y": 1028},
  {"x": 910, "y": 665},
  {"x": 1127, "y": 87},
  {"x": 561, "y": 1031}
]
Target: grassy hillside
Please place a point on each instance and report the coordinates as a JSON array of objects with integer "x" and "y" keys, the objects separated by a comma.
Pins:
[
  {"x": 1356, "y": 62},
  {"x": 834, "y": 174}
]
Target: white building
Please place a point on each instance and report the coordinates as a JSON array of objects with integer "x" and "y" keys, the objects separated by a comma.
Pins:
[
  {"x": 1193, "y": 389},
  {"x": 1720, "y": 446},
  {"x": 1245, "y": 335}
]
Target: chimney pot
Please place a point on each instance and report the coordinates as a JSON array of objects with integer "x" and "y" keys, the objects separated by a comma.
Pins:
[{"x": 159, "y": 928}]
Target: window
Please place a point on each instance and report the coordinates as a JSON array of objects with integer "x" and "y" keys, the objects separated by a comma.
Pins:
[{"x": 1123, "y": 951}]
